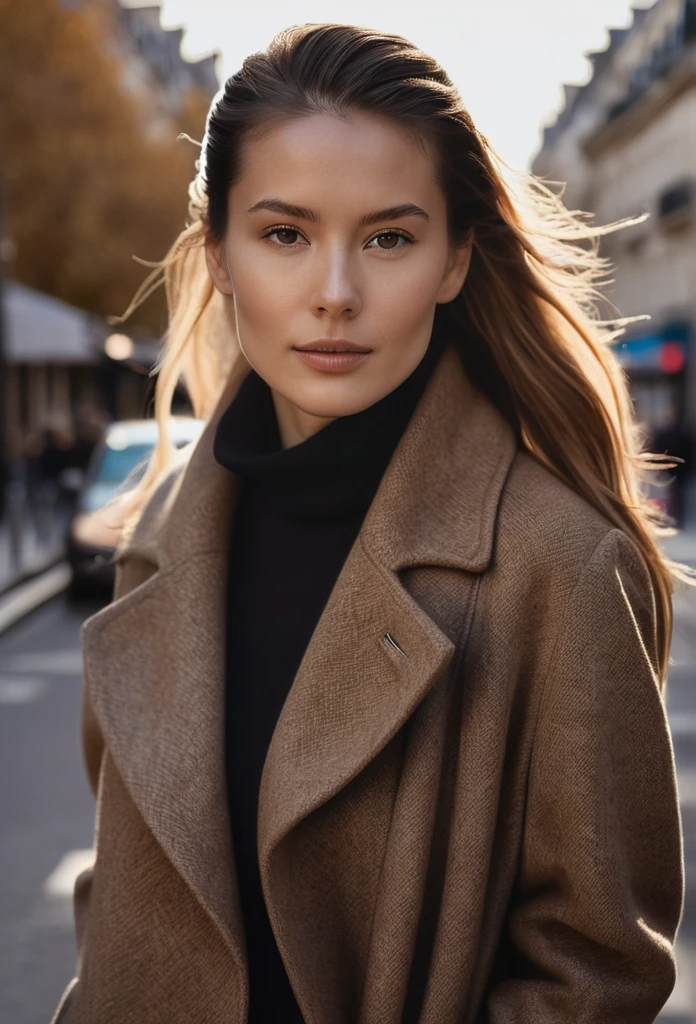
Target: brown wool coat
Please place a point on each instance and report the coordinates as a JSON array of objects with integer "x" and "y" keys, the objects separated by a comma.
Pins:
[{"x": 477, "y": 826}]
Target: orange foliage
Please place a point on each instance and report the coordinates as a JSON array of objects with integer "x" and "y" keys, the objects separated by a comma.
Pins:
[{"x": 93, "y": 172}]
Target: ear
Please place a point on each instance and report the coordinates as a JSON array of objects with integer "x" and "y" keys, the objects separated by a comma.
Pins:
[
  {"x": 457, "y": 269},
  {"x": 217, "y": 268}
]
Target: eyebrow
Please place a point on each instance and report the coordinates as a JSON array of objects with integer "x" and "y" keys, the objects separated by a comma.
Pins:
[{"x": 301, "y": 212}]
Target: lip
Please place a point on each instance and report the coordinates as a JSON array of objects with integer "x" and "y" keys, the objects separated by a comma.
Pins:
[
  {"x": 341, "y": 343},
  {"x": 332, "y": 361}
]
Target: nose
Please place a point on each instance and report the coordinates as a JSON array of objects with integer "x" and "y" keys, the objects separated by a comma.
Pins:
[{"x": 337, "y": 293}]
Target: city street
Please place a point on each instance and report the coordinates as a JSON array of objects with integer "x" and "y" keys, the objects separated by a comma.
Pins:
[{"x": 47, "y": 809}]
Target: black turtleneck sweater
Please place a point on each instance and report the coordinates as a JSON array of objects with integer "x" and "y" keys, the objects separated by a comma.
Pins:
[{"x": 300, "y": 510}]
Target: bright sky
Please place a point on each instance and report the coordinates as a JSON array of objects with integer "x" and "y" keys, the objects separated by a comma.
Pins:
[{"x": 508, "y": 58}]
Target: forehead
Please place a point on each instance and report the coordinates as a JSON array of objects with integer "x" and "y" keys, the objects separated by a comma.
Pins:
[{"x": 369, "y": 158}]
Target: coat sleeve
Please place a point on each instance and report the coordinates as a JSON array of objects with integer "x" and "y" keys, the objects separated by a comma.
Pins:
[{"x": 600, "y": 886}]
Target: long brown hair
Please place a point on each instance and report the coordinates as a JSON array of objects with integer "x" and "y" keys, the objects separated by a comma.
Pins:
[{"x": 529, "y": 308}]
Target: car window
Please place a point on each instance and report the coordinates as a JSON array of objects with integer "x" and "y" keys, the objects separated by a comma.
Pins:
[
  {"x": 116, "y": 463},
  {"x": 110, "y": 468}
]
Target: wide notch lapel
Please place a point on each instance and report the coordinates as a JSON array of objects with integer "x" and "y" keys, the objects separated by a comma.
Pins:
[
  {"x": 373, "y": 656},
  {"x": 155, "y": 674}
]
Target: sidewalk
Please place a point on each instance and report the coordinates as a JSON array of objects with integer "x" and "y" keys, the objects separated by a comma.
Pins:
[
  {"x": 26, "y": 550},
  {"x": 681, "y": 709}
]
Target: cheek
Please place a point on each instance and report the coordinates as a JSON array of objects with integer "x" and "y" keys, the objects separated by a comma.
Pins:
[
  {"x": 262, "y": 298},
  {"x": 403, "y": 300}
]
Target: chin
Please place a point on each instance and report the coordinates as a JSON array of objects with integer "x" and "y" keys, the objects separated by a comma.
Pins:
[{"x": 333, "y": 398}]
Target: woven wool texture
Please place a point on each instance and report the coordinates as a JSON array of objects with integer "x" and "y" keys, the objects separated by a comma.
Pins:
[{"x": 483, "y": 829}]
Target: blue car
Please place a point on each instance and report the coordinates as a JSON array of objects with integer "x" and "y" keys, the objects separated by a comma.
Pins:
[{"x": 125, "y": 446}]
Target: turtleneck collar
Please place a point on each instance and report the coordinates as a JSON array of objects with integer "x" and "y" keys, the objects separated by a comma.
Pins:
[{"x": 335, "y": 472}]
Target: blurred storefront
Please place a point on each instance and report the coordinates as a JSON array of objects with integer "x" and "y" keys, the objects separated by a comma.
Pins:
[
  {"x": 50, "y": 355},
  {"x": 656, "y": 363},
  {"x": 65, "y": 378},
  {"x": 625, "y": 144}
]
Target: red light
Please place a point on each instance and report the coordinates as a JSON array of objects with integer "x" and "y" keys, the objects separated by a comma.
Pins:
[{"x": 672, "y": 357}]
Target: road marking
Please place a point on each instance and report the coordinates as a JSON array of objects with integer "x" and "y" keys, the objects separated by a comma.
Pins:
[
  {"x": 686, "y": 784},
  {"x": 62, "y": 662},
  {"x": 21, "y": 690},
  {"x": 61, "y": 881},
  {"x": 28, "y": 596}
]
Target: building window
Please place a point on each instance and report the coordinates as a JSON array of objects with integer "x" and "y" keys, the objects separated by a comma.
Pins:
[{"x": 675, "y": 203}]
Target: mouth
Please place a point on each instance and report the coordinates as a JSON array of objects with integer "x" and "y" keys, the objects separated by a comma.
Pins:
[
  {"x": 327, "y": 346},
  {"x": 332, "y": 358}
]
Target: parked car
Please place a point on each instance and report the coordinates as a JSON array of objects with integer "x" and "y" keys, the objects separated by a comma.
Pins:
[{"x": 125, "y": 446}]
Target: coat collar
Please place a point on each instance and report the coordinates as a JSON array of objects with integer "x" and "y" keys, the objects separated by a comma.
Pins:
[
  {"x": 447, "y": 505},
  {"x": 154, "y": 658}
]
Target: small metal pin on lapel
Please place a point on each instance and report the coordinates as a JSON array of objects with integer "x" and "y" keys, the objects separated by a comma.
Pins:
[{"x": 390, "y": 640}]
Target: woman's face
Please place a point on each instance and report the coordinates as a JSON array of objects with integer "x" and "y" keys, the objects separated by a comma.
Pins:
[{"x": 337, "y": 230}]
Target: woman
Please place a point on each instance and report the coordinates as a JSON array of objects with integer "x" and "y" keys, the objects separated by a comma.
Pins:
[{"x": 375, "y": 721}]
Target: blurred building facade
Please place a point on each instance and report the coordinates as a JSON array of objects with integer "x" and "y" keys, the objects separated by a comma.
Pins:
[
  {"x": 154, "y": 63},
  {"x": 625, "y": 144}
]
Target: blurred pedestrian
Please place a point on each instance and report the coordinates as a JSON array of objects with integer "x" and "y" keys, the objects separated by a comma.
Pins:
[{"x": 32, "y": 457}]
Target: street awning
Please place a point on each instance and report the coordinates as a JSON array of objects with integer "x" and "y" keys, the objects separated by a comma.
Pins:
[{"x": 41, "y": 329}]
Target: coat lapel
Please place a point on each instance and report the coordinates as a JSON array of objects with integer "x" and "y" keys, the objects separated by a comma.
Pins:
[
  {"x": 154, "y": 672},
  {"x": 154, "y": 658}
]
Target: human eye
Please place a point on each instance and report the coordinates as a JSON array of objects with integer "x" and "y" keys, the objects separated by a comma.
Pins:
[
  {"x": 392, "y": 233},
  {"x": 281, "y": 229}
]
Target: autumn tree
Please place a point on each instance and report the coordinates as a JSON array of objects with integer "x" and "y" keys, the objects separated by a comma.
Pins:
[{"x": 92, "y": 167}]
